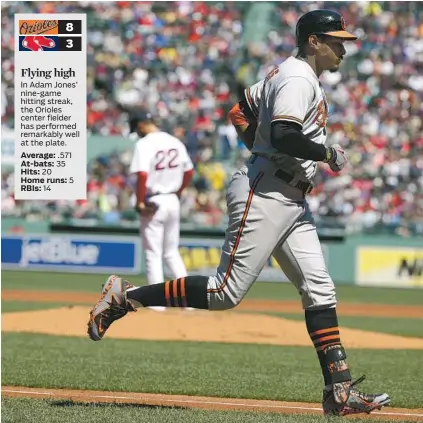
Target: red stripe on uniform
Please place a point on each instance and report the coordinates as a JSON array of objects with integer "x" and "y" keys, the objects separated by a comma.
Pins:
[{"x": 239, "y": 234}]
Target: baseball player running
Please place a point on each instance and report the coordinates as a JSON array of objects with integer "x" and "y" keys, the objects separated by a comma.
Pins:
[
  {"x": 163, "y": 170},
  {"x": 282, "y": 119}
]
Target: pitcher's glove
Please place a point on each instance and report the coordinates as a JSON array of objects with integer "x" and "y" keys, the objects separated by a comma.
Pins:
[
  {"x": 146, "y": 209},
  {"x": 336, "y": 157}
]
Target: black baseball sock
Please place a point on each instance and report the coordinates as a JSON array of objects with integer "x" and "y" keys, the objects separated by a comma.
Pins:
[
  {"x": 183, "y": 292},
  {"x": 322, "y": 326}
]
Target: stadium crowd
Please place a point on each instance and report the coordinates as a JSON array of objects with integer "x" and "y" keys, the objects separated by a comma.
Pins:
[{"x": 186, "y": 62}]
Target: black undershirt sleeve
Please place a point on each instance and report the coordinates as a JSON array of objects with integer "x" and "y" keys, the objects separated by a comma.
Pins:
[{"x": 287, "y": 138}]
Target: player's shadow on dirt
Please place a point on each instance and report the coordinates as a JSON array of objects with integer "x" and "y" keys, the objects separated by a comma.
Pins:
[{"x": 70, "y": 403}]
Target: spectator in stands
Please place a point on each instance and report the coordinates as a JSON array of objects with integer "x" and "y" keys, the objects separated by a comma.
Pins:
[{"x": 179, "y": 59}]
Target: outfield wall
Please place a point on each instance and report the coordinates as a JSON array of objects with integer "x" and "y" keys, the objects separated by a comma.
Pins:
[{"x": 361, "y": 260}]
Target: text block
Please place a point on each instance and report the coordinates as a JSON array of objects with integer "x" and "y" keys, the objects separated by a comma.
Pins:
[{"x": 50, "y": 107}]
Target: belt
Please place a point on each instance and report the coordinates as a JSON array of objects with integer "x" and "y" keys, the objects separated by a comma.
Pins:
[
  {"x": 305, "y": 187},
  {"x": 153, "y": 194}
]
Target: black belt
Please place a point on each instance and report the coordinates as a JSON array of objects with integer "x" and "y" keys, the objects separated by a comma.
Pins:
[{"x": 305, "y": 187}]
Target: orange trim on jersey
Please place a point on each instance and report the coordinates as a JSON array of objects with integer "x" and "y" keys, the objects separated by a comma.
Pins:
[
  {"x": 183, "y": 297},
  {"x": 286, "y": 117},
  {"x": 175, "y": 292},
  {"x": 167, "y": 294},
  {"x": 239, "y": 234}
]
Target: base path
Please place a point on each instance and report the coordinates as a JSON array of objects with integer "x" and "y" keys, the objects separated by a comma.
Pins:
[
  {"x": 281, "y": 306},
  {"x": 208, "y": 403}
]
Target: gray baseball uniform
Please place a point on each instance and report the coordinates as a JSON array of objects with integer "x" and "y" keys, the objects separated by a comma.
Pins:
[{"x": 268, "y": 215}]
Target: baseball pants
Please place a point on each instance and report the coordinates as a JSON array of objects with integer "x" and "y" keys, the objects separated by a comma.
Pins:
[
  {"x": 160, "y": 238},
  {"x": 269, "y": 217}
]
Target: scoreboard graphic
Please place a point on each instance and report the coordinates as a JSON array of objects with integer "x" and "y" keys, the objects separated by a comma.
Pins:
[
  {"x": 50, "y": 35},
  {"x": 50, "y": 105}
]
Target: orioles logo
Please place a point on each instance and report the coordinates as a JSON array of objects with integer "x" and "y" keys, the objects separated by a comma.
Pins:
[
  {"x": 33, "y": 27},
  {"x": 321, "y": 119},
  {"x": 38, "y": 35}
]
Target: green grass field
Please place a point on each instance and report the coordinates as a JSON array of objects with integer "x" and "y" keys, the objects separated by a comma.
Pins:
[
  {"x": 404, "y": 326},
  {"x": 193, "y": 368},
  {"x": 211, "y": 369}
]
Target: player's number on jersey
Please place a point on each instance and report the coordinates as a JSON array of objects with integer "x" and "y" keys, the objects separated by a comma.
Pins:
[{"x": 166, "y": 159}]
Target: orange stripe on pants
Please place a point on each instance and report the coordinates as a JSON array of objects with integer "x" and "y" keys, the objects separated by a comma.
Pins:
[{"x": 239, "y": 234}]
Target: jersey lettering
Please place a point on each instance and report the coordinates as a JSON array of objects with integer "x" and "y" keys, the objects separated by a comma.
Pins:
[
  {"x": 322, "y": 115},
  {"x": 165, "y": 159},
  {"x": 271, "y": 74},
  {"x": 268, "y": 77}
]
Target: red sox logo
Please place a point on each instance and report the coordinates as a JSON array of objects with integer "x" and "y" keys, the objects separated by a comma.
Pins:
[{"x": 37, "y": 42}]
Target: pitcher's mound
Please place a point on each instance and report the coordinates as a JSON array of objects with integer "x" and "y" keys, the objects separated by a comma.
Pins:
[{"x": 205, "y": 326}]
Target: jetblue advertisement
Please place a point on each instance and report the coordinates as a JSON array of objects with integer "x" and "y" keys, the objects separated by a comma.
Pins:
[{"x": 74, "y": 253}]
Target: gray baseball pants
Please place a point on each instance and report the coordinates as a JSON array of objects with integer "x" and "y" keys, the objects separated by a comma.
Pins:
[{"x": 267, "y": 216}]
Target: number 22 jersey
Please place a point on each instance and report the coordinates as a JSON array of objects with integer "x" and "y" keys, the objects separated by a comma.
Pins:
[{"x": 164, "y": 158}]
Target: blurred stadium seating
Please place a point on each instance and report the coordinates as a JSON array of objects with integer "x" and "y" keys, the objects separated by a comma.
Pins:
[{"x": 187, "y": 62}]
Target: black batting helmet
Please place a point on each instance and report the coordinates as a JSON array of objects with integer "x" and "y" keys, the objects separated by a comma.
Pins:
[{"x": 319, "y": 22}]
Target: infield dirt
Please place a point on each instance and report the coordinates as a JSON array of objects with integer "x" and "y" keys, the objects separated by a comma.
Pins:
[{"x": 198, "y": 326}]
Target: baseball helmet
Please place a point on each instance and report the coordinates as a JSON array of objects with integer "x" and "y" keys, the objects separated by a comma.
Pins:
[
  {"x": 319, "y": 22},
  {"x": 137, "y": 117}
]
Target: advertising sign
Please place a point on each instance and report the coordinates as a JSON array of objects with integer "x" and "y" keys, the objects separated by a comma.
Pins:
[
  {"x": 73, "y": 253},
  {"x": 390, "y": 266}
]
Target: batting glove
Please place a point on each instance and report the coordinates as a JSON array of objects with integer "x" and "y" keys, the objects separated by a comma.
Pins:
[{"x": 336, "y": 157}]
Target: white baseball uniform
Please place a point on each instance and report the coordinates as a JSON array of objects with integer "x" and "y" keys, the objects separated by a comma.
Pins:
[
  {"x": 268, "y": 215},
  {"x": 165, "y": 159}
]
